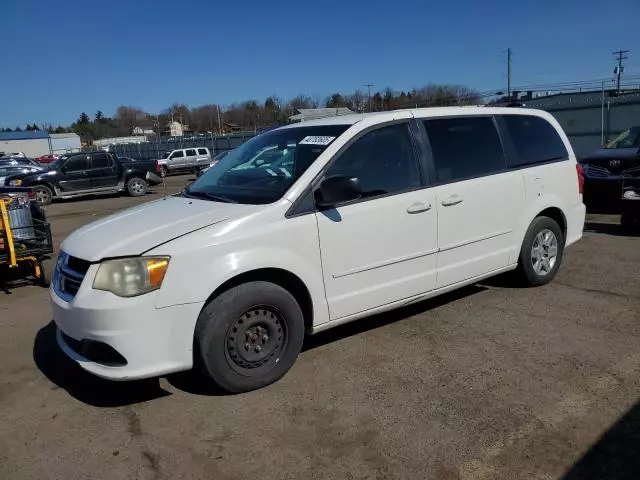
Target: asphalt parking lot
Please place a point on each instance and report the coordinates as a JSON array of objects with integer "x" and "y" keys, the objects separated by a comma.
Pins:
[{"x": 487, "y": 382}]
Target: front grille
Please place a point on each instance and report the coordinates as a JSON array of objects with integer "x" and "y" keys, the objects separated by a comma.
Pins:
[
  {"x": 70, "y": 272},
  {"x": 595, "y": 171},
  {"x": 78, "y": 265}
]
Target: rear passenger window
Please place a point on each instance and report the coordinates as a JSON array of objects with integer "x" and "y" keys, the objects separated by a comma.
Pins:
[
  {"x": 77, "y": 163},
  {"x": 535, "y": 140},
  {"x": 191, "y": 153},
  {"x": 202, "y": 151},
  {"x": 101, "y": 160},
  {"x": 383, "y": 160},
  {"x": 464, "y": 147}
]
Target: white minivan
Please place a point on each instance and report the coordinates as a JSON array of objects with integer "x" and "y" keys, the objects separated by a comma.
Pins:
[{"x": 364, "y": 213}]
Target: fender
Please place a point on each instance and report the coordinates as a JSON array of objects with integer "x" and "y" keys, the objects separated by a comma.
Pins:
[
  {"x": 550, "y": 200},
  {"x": 182, "y": 286}
]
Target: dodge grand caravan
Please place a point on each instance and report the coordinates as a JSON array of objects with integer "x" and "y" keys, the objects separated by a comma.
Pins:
[{"x": 373, "y": 212}]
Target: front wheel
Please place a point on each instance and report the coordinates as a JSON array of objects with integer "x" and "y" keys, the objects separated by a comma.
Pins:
[
  {"x": 136, "y": 187},
  {"x": 249, "y": 336},
  {"x": 44, "y": 195},
  {"x": 541, "y": 252}
]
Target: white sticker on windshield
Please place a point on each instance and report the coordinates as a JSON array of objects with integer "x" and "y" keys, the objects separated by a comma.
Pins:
[{"x": 316, "y": 140}]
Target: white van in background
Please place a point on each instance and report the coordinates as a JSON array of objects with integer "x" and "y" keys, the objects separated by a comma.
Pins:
[
  {"x": 184, "y": 159},
  {"x": 363, "y": 214}
]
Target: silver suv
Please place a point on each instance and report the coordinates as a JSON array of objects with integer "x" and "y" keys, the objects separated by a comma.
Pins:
[{"x": 184, "y": 159}]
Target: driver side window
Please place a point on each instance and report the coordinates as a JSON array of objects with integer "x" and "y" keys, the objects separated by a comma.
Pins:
[
  {"x": 177, "y": 154},
  {"x": 384, "y": 161},
  {"x": 76, "y": 164}
]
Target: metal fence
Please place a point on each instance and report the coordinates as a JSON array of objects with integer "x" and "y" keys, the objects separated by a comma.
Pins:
[{"x": 154, "y": 149}]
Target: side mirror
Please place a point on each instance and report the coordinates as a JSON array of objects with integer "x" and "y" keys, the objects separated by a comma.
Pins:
[{"x": 337, "y": 189}]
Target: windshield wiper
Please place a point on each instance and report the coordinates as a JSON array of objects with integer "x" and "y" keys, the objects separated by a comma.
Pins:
[{"x": 209, "y": 196}]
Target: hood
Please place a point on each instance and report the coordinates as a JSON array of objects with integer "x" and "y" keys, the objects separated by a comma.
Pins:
[
  {"x": 605, "y": 154},
  {"x": 139, "y": 229}
]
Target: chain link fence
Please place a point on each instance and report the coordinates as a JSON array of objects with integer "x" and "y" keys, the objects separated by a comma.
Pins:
[{"x": 154, "y": 148}]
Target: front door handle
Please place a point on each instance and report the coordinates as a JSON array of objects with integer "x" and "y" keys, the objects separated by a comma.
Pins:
[
  {"x": 419, "y": 207},
  {"x": 452, "y": 200}
]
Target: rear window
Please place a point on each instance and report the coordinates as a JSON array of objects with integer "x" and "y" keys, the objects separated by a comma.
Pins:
[
  {"x": 202, "y": 151},
  {"x": 464, "y": 147},
  {"x": 535, "y": 140}
]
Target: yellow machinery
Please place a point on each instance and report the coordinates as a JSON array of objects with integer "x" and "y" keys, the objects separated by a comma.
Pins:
[{"x": 25, "y": 235}]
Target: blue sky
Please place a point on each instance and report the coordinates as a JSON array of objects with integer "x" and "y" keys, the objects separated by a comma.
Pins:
[{"x": 62, "y": 58}]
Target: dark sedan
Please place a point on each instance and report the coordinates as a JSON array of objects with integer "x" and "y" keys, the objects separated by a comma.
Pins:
[{"x": 603, "y": 169}]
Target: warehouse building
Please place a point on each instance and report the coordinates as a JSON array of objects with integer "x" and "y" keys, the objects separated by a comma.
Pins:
[
  {"x": 32, "y": 143},
  {"x": 39, "y": 142}
]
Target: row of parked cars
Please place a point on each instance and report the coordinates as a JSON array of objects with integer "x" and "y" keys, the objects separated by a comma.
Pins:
[{"x": 77, "y": 174}]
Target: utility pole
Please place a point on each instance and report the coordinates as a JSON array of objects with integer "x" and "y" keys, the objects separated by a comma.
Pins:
[
  {"x": 369, "y": 85},
  {"x": 620, "y": 68},
  {"x": 509, "y": 73}
]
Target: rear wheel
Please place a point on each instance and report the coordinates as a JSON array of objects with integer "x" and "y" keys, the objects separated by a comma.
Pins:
[
  {"x": 44, "y": 195},
  {"x": 136, "y": 187},
  {"x": 249, "y": 336},
  {"x": 541, "y": 252},
  {"x": 163, "y": 171}
]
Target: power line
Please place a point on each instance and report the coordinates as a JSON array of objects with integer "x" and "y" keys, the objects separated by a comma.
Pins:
[
  {"x": 620, "y": 68},
  {"x": 508, "y": 72}
]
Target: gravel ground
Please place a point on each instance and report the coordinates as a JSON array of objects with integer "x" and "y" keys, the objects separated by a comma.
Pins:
[{"x": 487, "y": 382}]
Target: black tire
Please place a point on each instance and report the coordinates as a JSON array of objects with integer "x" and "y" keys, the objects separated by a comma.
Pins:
[
  {"x": 231, "y": 322},
  {"x": 528, "y": 271},
  {"x": 137, "y": 187},
  {"x": 628, "y": 222},
  {"x": 164, "y": 172},
  {"x": 46, "y": 267},
  {"x": 44, "y": 195}
]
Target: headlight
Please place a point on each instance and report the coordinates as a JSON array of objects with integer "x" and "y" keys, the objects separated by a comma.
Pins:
[
  {"x": 631, "y": 195},
  {"x": 128, "y": 277},
  {"x": 15, "y": 183}
]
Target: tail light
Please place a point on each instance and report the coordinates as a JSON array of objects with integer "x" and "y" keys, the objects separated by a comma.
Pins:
[
  {"x": 32, "y": 195},
  {"x": 158, "y": 169},
  {"x": 580, "y": 173}
]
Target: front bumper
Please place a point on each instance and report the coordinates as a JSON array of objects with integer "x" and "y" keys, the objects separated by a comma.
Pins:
[{"x": 153, "y": 341}]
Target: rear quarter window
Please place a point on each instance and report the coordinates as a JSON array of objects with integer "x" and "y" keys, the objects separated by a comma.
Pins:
[
  {"x": 202, "y": 151},
  {"x": 534, "y": 139}
]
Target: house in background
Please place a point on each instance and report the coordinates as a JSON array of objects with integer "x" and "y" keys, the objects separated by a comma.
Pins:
[
  {"x": 176, "y": 129},
  {"x": 230, "y": 127},
  {"x": 143, "y": 131}
]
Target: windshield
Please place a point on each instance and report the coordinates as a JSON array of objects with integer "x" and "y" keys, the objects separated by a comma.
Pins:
[
  {"x": 262, "y": 169},
  {"x": 630, "y": 138},
  {"x": 56, "y": 163}
]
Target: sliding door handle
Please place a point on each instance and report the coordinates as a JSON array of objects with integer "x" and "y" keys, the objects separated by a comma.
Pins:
[
  {"x": 419, "y": 207},
  {"x": 452, "y": 200}
]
